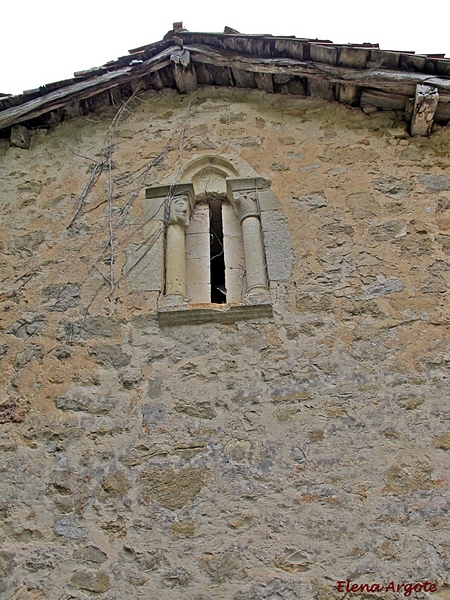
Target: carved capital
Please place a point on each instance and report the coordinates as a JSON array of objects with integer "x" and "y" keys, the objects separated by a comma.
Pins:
[
  {"x": 242, "y": 193},
  {"x": 171, "y": 203},
  {"x": 245, "y": 205},
  {"x": 180, "y": 211}
]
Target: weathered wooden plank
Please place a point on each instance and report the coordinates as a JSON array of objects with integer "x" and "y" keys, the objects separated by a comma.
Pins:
[
  {"x": 353, "y": 57},
  {"x": 348, "y": 94},
  {"x": 289, "y": 48},
  {"x": 80, "y": 90},
  {"x": 431, "y": 66},
  {"x": 442, "y": 114},
  {"x": 167, "y": 77},
  {"x": 204, "y": 76},
  {"x": 221, "y": 75},
  {"x": 384, "y": 58},
  {"x": 425, "y": 104},
  {"x": 443, "y": 67},
  {"x": 183, "y": 71},
  {"x": 138, "y": 85},
  {"x": 115, "y": 96},
  {"x": 379, "y": 99},
  {"x": 264, "y": 81},
  {"x": 412, "y": 62},
  {"x": 324, "y": 54},
  {"x": 219, "y": 63},
  {"x": 155, "y": 79},
  {"x": 321, "y": 88},
  {"x": 375, "y": 78},
  {"x": 241, "y": 44},
  {"x": 231, "y": 31},
  {"x": 73, "y": 109},
  {"x": 99, "y": 100},
  {"x": 243, "y": 78}
]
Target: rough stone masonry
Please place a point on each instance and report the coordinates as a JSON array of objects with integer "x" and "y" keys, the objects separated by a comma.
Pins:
[{"x": 257, "y": 459}]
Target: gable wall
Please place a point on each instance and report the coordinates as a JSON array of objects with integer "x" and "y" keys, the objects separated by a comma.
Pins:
[{"x": 230, "y": 460}]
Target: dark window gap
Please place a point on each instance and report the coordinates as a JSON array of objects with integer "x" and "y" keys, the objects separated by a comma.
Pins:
[{"x": 217, "y": 258}]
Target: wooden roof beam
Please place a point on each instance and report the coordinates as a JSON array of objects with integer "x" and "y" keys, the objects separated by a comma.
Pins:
[
  {"x": 81, "y": 90},
  {"x": 386, "y": 80}
]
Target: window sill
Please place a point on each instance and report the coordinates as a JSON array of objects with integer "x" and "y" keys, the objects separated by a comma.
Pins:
[{"x": 192, "y": 314}]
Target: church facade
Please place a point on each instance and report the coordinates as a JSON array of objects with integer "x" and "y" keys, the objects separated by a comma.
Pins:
[{"x": 224, "y": 325}]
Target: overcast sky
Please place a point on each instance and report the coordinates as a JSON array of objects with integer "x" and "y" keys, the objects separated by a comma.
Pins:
[{"x": 43, "y": 41}]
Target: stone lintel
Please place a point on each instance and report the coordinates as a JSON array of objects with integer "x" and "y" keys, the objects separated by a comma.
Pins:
[
  {"x": 213, "y": 313},
  {"x": 165, "y": 191}
]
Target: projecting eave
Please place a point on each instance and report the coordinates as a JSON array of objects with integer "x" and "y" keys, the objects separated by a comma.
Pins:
[{"x": 360, "y": 75}]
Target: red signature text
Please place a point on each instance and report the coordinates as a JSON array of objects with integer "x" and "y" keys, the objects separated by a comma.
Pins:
[{"x": 405, "y": 588}]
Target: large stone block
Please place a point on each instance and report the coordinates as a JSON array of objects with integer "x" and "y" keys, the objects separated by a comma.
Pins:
[
  {"x": 145, "y": 262},
  {"x": 173, "y": 489},
  {"x": 278, "y": 244}
]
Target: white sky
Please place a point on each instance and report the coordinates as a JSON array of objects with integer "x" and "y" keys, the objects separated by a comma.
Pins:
[{"x": 43, "y": 41}]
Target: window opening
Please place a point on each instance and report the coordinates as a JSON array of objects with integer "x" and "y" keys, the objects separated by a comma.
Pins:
[
  {"x": 217, "y": 257},
  {"x": 213, "y": 250}
]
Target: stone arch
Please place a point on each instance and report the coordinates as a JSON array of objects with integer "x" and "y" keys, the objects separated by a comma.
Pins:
[{"x": 208, "y": 174}]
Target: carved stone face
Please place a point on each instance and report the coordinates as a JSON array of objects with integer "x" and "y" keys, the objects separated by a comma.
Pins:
[{"x": 179, "y": 211}]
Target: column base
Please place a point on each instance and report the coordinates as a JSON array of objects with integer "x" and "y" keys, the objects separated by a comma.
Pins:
[{"x": 257, "y": 295}]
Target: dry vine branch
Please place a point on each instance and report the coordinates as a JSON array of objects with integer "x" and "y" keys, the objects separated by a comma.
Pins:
[
  {"x": 86, "y": 312},
  {"x": 105, "y": 160},
  {"x": 143, "y": 177},
  {"x": 104, "y": 153},
  {"x": 72, "y": 150},
  {"x": 95, "y": 174},
  {"x": 111, "y": 231}
]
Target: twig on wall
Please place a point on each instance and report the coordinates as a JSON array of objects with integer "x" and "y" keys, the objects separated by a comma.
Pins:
[
  {"x": 95, "y": 174},
  {"x": 111, "y": 230},
  {"x": 105, "y": 151}
]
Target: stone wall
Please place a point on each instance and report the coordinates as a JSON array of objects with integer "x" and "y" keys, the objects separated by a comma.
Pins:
[{"x": 255, "y": 460}]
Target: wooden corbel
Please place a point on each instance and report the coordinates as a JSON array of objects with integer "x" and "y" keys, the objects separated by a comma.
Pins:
[
  {"x": 183, "y": 71},
  {"x": 425, "y": 104}
]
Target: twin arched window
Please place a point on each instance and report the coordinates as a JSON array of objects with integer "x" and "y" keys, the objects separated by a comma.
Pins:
[{"x": 213, "y": 250}]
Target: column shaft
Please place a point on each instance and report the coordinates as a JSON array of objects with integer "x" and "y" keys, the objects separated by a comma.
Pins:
[
  {"x": 175, "y": 261},
  {"x": 255, "y": 263}
]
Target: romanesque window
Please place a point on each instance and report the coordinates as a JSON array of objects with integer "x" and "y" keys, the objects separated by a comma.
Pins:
[
  {"x": 214, "y": 249},
  {"x": 214, "y": 256}
]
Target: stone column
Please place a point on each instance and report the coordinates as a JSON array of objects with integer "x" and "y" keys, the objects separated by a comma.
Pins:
[
  {"x": 233, "y": 247},
  {"x": 179, "y": 213},
  {"x": 173, "y": 205},
  {"x": 246, "y": 207},
  {"x": 175, "y": 261},
  {"x": 198, "y": 285}
]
